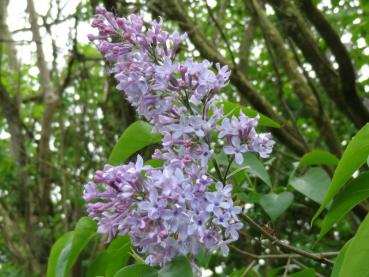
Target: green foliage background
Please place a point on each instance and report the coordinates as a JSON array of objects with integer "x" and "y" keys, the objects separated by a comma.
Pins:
[{"x": 283, "y": 193}]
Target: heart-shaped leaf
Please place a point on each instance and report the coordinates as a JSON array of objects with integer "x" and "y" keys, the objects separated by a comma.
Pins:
[
  {"x": 276, "y": 204},
  {"x": 313, "y": 184}
]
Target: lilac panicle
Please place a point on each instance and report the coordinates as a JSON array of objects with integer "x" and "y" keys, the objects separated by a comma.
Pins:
[{"x": 169, "y": 211}]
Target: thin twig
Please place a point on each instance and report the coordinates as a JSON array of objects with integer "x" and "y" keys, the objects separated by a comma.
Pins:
[
  {"x": 220, "y": 30},
  {"x": 320, "y": 257},
  {"x": 278, "y": 256},
  {"x": 301, "y": 265},
  {"x": 248, "y": 268},
  {"x": 286, "y": 269}
]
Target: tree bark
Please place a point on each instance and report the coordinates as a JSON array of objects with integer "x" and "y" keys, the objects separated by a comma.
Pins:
[
  {"x": 347, "y": 76},
  {"x": 298, "y": 83},
  {"x": 50, "y": 101}
]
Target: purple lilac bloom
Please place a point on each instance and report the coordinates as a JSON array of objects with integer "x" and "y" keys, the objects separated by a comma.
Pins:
[
  {"x": 171, "y": 210},
  {"x": 241, "y": 137}
]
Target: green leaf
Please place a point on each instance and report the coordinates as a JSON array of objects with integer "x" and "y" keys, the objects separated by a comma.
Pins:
[
  {"x": 338, "y": 263},
  {"x": 180, "y": 266},
  {"x": 56, "y": 249},
  {"x": 234, "y": 109},
  {"x": 276, "y": 204},
  {"x": 112, "y": 259},
  {"x": 203, "y": 258},
  {"x": 251, "y": 197},
  {"x": 275, "y": 272},
  {"x": 138, "y": 259},
  {"x": 353, "y": 158},
  {"x": 137, "y": 270},
  {"x": 309, "y": 272},
  {"x": 319, "y": 157},
  {"x": 355, "y": 261},
  {"x": 256, "y": 167},
  {"x": 154, "y": 163},
  {"x": 97, "y": 266},
  {"x": 118, "y": 242},
  {"x": 69, "y": 247},
  {"x": 137, "y": 136},
  {"x": 352, "y": 194},
  {"x": 237, "y": 273},
  {"x": 84, "y": 231},
  {"x": 313, "y": 184},
  {"x": 119, "y": 252}
]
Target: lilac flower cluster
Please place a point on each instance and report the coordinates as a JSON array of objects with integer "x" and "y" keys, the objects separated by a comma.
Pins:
[{"x": 179, "y": 208}]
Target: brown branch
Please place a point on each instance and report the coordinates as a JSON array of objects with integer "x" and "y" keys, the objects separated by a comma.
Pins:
[
  {"x": 320, "y": 257},
  {"x": 10, "y": 110},
  {"x": 245, "y": 46},
  {"x": 280, "y": 256},
  {"x": 346, "y": 70},
  {"x": 219, "y": 17},
  {"x": 297, "y": 28},
  {"x": 50, "y": 101},
  {"x": 301, "y": 265},
  {"x": 48, "y": 25},
  {"x": 19, "y": 248},
  {"x": 280, "y": 92},
  {"x": 6, "y": 36},
  {"x": 299, "y": 85},
  {"x": 176, "y": 12},
  {"x": 33, "y": 98},
  {"x": 220, "y": 30}
]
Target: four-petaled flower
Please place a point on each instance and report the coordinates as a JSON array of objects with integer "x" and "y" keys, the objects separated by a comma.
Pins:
[{"x": 236, "y": 149}]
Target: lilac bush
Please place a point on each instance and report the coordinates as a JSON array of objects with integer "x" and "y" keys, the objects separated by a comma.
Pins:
[{"x": 181, "y": 207}]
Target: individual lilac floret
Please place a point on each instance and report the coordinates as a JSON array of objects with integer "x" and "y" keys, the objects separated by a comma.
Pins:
[{"x": 236, "y": 149}]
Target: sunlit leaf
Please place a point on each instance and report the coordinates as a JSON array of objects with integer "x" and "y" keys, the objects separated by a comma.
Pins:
[
  {"x": 356, "y": 191},
  {"x": 68, "y": 248},
  {"x": 353, "y": 158},
  {"x": 338, "y": 263},
  {"x": 137, "y": 136},
  {"x": 355, "y": 261},
  {"x": 319, "y": 157}
]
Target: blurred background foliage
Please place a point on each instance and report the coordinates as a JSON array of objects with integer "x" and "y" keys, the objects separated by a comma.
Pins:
[{"x": 302, "y": 63}]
